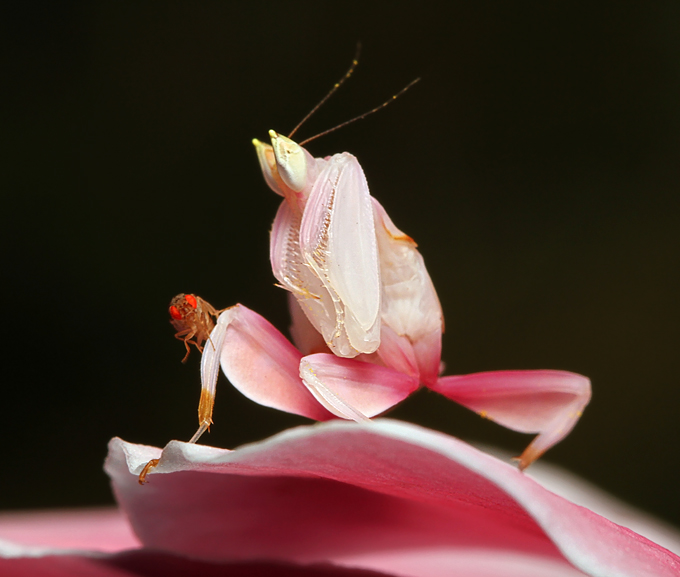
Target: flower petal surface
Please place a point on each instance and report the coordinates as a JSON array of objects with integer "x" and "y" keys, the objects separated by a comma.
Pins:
[
  {"x": 383, "y": 496},
  {"x": 102, "y": 529}
]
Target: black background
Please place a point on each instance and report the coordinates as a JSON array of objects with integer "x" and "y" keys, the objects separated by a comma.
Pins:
[{"x": 536, "y": 164}]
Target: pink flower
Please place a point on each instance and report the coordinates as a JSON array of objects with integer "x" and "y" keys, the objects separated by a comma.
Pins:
[{"x": 337, "y": 498}]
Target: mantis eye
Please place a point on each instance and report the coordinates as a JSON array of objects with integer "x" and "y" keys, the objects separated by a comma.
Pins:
[
  {"x": 174, "y": 313},
  {"x": 191, "y": 299}
]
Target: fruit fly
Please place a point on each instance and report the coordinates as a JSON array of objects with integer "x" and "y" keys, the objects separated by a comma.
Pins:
[{"x": 193, "y": 318}]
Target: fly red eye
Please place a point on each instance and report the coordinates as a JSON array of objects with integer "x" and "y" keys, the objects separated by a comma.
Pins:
[
  {"x": 191, "y": 299},
  {"x": 174, "y": 313}
]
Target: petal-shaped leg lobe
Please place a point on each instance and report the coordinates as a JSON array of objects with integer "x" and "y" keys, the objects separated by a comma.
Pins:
[
  {"x": 260, "y": 362},
  {"x": 352, "y": 389},
  {"x": 544, "y": 401}
]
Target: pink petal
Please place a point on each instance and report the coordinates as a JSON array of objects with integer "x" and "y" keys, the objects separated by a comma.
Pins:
[
  {"x": 60, "y": 566},
  {"x": 386, "y": 496},
  {"x": 104, "y": 529},
  {"x": 546, "y": 402},
  {"x": 145, "y": 563},
  {"x": 261, "y": 363},
  {"x": 353, "y": 389},
  {"x": 582, "y": 493}
]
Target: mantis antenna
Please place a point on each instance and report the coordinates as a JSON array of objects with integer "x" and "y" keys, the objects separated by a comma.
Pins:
[
  {"x": 337, "y": 85},
  {"x": 364, "y": 115},
  {"x": 355, "y": 62}
]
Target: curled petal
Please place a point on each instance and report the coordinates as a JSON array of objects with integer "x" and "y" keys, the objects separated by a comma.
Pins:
[
  {"x": 544, "y": 401},
  {"x": 385, "y": 496}
]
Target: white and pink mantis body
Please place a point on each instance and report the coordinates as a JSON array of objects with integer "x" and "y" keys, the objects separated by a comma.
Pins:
[{"x": 367, "y": 323}]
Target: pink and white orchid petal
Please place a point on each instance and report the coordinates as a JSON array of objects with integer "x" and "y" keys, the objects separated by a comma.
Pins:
[
  {"x": 149, "y": 563},
  {"x": 353, "y": 389},
  {"x": 544, "y": 401},
  {"x": 103, "y": 529},
  {"x": 385, "y": 496},
  {"x": 259, "y": 361},
  {"x": 410, "y": 306},
  {"x": 338, "y": 243},
  {"x": 63, "y": 565},
  {"x": 568, "y": 485}
]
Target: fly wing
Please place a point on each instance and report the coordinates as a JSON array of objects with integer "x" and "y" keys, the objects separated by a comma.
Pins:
[{"x": 338, "y": 242}]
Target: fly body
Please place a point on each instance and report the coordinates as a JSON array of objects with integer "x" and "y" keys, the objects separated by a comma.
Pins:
[{"x": 193, "y": 319}]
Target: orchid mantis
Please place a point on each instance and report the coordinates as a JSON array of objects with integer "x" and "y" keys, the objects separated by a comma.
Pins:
[{"x": 366, "y": 320}]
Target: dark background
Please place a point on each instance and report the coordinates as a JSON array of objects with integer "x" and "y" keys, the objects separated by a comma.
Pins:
[{"x": 536, "y": 164}]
